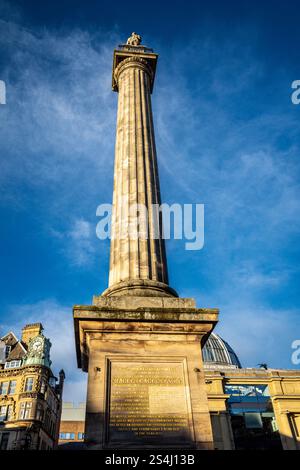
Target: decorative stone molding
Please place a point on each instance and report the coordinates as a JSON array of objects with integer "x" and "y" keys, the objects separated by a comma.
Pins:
[
  {"x": 144, "y": 287},
  {"x": 34, "y": 395},
  {"x": 10, "y": 372},
  {"x": 36, "y": 369},
  {"x": 6, "y": 398},
  {"x": 134, "y": 61}
]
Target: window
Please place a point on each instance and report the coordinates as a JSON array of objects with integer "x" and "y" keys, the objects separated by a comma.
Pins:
[
  {"x": 252, "y": 417},
  {"x": 80, "y": 435},
  {"x": 49, "y": 400},
  {"x": 52, "y": 382},
  {"x": 3, "y": 411},
  {"x": 25, "y": 410},
  {"x": 7, "y": 351},
  {"x": 12, "y": 364},
  {"x": 253, "y": 421},
  {"x": 12, "y": 387},
  {"x": 6, "y": 412},
  {"x": 4, "y": 388},
  {"x": 52, "y": 428},
  {"x": 39, "y": 414},
  {"x": 43, "y": 385},
  {"x": 67, "y": 436},
  {"x": 28, "y": 384},
  {"x": 10, "y": 412},
  {"x": 8, "y": 388},
  {"x": 47, "y": 420},
  {"x": 4, "y": 437}
]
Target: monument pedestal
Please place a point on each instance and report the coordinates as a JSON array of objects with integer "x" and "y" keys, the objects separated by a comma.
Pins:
[{"x": 146, "y": 386}]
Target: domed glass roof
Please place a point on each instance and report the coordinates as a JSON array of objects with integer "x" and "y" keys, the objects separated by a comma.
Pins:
[{"x": 218, "y": 354}]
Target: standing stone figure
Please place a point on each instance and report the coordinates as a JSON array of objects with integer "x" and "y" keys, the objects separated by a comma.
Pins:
[{"x": 134, "y": 40}]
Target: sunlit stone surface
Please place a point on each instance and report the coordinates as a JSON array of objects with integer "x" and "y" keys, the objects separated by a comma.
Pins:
[{"x": 139, "y": 342}]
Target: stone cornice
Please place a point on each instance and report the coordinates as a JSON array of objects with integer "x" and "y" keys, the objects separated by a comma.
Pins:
[
  {"x": 218, "y": 396},
  {"x": 139, "y": 58},
  {"x": 190, "y": 315},
  {"x": 34, "y": 395},
  {"x": 11, "y": 372},
  {"x": 144, "y": 316},
  {"x": 286, "y": 397},
  {"x": 6, "y": 398},
  {"x": 26, "y": 369},
  {"x": 144, "y": 321}
]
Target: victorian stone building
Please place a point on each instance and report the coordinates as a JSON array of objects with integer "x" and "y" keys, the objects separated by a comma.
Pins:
[{"x": 30, "y": 395}]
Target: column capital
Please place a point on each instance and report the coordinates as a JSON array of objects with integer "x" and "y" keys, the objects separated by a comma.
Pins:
[{"x": 128, "y": 57}]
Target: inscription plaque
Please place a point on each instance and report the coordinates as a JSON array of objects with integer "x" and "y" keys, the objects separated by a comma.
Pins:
[{"x": 148, "y": 403}]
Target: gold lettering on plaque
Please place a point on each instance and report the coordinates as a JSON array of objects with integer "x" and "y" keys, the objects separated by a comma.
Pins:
[{"x": 148, "y": 401}]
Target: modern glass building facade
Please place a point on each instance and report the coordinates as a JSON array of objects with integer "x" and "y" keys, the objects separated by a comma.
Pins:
[{"x": 250, "y": 408}]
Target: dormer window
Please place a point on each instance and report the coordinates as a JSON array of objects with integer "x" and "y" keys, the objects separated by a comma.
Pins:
[
  {"x": 12, "y": 364},
  {"x": 7, "y": 351}
]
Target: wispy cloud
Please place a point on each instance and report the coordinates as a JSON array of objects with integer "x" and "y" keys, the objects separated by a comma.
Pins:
[
  {"x": 260, "y": 333},
  {"x": 226, "y": 137},
  {"x": 78, "y": 243},
  {"x": 59, "y": 120}
]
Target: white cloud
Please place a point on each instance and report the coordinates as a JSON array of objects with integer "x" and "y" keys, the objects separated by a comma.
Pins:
[
  {"x": 260, "y": 334},
  {"x": 78, "y": 243},
  {"x": 59, "y": 135},
  {"x": 75, "y": 391},
  {"x": 59, "y": 120}
]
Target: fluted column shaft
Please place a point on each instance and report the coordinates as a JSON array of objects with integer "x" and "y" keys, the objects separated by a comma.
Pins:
[{"x": 135, "y": 180}]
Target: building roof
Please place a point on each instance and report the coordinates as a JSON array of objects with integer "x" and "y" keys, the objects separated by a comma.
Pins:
[
  {"x": 217, "y": 353},
  {"x": 16, "y": 350},
  {"x": 10, "y": 339}
]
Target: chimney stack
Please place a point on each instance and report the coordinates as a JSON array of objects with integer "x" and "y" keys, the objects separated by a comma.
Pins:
[{"x": 30, "y": 331}]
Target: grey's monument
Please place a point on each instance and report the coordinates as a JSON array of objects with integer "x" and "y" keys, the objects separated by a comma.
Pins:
[{"x": 139, "y": 342}]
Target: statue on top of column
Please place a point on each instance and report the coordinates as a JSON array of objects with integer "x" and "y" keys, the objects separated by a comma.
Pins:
[{"x": 134, "y": 40}]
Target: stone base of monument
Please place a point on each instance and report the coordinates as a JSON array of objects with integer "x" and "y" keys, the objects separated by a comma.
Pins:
[{"x": 146, "y": 385}]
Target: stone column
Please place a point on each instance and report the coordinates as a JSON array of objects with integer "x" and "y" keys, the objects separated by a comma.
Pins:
[
  {"x": 138, "y": 263},
  {"x": 138, "y": 333}
]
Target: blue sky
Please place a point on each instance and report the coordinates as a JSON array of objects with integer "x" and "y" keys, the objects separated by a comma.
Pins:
[{"x": 227, "y": 136}]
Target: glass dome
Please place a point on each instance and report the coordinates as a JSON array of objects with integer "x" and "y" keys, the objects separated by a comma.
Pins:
[{"x": 218, "y": 354}]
